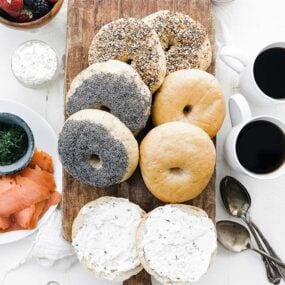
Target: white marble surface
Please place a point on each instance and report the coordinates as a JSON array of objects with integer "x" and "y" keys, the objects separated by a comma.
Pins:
[{"x": 246, "y": 24}]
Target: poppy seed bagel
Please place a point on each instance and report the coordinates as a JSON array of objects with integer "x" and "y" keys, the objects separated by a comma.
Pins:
[
  {"x": 96, "y": 148},
  {"x": 114, "y": 86}
]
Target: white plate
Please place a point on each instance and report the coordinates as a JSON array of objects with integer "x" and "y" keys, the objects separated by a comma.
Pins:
[{"x": 46, "y": 140}]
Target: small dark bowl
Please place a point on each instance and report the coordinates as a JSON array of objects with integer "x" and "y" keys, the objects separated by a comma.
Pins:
[{"x": 24, "y": 160}]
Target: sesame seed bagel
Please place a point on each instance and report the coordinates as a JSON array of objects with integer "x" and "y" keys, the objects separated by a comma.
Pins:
[
  {"x": 176, "y": 244},
  {"x": 132, "y": 41},
  {"x": 115, "y": 86},
  {"x": 177, "y": 161},
  {"x": 96, "y": 148},
  {"x": 191, "y": 96},
  {"x": 185, "y": 41},
  {"x": 104, "y": 238}
]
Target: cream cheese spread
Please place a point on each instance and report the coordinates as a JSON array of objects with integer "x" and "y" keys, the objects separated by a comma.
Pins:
[
  {"x": 34, "y": 63},
  {"x": 178, "y": 245},
  {"x": 106, "y": 242}
]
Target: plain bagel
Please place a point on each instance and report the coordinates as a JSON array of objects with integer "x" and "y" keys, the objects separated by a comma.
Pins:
[
  {"x": 96, "y": 148},
  {"x": 176, "y": 244},
  {"x": 177, "y": 161},
  {"x": 132, "y": 41},
  {"x": 114, "y": 86},
  {"x": 104, "y": 238},
  {"x": 191, "y": 96},
  {"x": 184, "y": 40}
]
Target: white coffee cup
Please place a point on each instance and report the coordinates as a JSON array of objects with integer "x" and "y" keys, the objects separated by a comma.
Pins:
[
  {"x": 236, "y": 60},
  {"x": 240, "y": 114}
]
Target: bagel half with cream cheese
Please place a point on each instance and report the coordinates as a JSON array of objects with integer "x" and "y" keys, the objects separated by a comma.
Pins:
[
  {"x": 104, "y": 238},
  {"x": 176, "y": 243}
]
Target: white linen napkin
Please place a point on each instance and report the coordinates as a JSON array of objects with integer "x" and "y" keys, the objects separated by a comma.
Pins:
[{"x": 49, "y": 248}]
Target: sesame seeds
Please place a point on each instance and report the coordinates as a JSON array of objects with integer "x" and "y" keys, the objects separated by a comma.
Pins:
[
  {"x": 182, "y": 39},
  {"x": 131, "y": 40}
]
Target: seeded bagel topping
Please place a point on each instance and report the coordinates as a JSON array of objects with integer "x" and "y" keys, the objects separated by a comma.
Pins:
[
  {"x": 79, "y": 141},
  {"x": 132, "y": 41},
  {"x": 113, "y": 86},
  {"x": 182, "y": 27},
  {"x": 184, "y": 40}
]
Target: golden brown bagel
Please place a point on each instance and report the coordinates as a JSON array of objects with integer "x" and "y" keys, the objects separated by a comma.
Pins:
[
  {"x": 177, "y": 161},
  {"x": 191, "y": 96}
]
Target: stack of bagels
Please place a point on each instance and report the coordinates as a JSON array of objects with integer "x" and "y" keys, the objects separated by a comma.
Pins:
[{"x": 139, "y": 68}]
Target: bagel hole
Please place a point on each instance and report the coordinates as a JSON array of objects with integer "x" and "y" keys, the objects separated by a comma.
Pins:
[
  {"x": 95, "y": 161},
  {"x": 105, "y": 108},
  {"x": 168, "y": 48},
  {"x": 187, "y": 109},
  {"x": 176, "y": 170}
]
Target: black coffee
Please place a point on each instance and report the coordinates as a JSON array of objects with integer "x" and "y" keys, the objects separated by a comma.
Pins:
[
  {"x": 269, "y": 72},
  {"x": 260, "y": 147}
]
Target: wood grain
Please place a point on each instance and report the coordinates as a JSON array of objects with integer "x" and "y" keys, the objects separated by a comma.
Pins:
[{"x": 85, "y": 18}]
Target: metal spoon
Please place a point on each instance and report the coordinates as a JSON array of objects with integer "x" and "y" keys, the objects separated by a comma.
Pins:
[
  {"x": 237, "y": 201},
  {"x": 235, "y": 237}
]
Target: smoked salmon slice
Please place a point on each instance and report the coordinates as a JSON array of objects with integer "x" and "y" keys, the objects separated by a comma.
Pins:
[
  {"x": 43, "y": 160},
  {"x": 13, "y": 227},
  {"x": 24, "y": 217},
  {"x": 38, "y": 213},
  {"x": 28, "y": 218},
  {"x": 39, "y": 176},
  {"x": 23, "y": 195},
  {"x": 54, "y": 199},
  {"x": 7, "y": 182},
  {"x": 27, "y": 195},
  {"x": 4, "y": 223}
]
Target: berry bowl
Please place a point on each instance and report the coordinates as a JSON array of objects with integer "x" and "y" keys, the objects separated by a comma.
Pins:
[{"x": 27, "y": 14}]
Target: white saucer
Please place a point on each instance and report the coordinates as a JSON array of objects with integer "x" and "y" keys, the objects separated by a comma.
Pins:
[{"x": 46, "y": 140}]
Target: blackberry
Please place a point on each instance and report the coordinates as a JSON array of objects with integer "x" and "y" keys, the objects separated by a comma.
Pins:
[{"x": 41, "y": 7}]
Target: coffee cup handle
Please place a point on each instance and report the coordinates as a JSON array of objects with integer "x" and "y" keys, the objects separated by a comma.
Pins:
[
  {"x": 233, "y": 58},
  {"x": 239, "y": 109}
]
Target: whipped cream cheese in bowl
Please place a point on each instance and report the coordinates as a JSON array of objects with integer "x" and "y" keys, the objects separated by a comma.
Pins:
[{"x": 35, "y": 64}]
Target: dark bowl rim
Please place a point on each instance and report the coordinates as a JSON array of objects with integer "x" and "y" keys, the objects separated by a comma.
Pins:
[{"x": 30, "y": 149}]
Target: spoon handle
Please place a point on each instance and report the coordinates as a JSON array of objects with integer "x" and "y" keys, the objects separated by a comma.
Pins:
[
  {"x": 268, "y": 246},
  {"x": 276, "y": 260},
  {"x": 272, "y": 270}
]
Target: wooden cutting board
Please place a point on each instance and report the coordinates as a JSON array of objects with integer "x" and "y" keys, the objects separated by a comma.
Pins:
[{"x": 85, "y": 18}]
